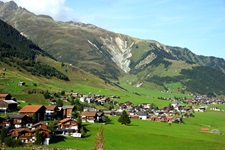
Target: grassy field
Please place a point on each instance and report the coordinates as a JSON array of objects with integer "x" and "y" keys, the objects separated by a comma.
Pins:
[{"x": 141, "y": 134}]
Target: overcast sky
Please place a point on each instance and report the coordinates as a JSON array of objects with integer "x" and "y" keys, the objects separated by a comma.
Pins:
[{"x": 198, "y": 25}]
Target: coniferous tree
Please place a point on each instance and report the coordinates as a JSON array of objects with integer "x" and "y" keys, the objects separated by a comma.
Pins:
[
  {"x": 124, "y": 118},
  {"x": 38, "y": 137},
  {"x": 3, "y": 134},
  {"x": 59, "y": 103}
]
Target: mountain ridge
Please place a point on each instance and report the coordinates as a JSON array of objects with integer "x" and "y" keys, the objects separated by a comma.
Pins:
[{"x": 104, "y": 53}]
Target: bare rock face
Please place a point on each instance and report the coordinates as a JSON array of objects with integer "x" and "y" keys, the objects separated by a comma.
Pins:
[{"x": 120, "y": 51}]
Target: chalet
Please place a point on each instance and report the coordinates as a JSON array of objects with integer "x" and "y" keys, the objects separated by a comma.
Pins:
[
  {"x": 5, "y": 97},
  {"x": 24, "y": 134},
  {"x": 52, "y": 112},
  {"x": 27, "y": 135},
  {"x": 67, "y": 111},
  {"x": 89, "y": 116},
  {"x": 36, "y": 111},
  {"x": 43, "y": 130},
  {"x": 67, "y": 126},
  {"x": 8, "y": 105},
  {"x": 107, "y": 112},
  {"x": 89, "y": 109},
  {"x": 19, "y": 121}
]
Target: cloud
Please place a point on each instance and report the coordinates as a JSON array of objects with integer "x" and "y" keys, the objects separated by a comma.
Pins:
[{"x": 57, "y": 9}]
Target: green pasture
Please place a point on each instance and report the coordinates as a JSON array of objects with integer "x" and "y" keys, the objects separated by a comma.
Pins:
[{"x": 142, "y": 134}]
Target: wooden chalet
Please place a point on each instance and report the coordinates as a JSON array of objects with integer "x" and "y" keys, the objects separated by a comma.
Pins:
[
  {"x": 67, "y": 111},
  {"x": 23, "y": 134},
  {"x": 88, "y": 116},
  {"x": 43, "y": 130},
  {"x": 8, "y": 105},
  {"x": 27, "y": 135},
  {"x": 67, "y": 126},
  {"x": 5, "y": 97},
  {"x": 53, "y": 112},
  {"x": 18, "y": 121},
  {"x": 35, "y": 111}
]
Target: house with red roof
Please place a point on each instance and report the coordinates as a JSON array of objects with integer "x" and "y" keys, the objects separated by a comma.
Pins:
[
  {"x": 68, "y": 126},
  {"x": 5, "y": 97},
  {"x": 88, "y": 116},
  {"x": 35, "y": 111}
]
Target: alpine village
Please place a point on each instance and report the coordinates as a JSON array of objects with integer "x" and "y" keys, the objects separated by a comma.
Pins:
[{"x": 70, "y": 85}]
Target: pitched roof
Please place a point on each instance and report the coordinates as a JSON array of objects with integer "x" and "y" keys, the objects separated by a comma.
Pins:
[
  {"x": 20, "y": 130},
  {"x": 10, "y": 101},
  {"x": 16, "y": 116},
  {"x": 39, "y": 123},
  {"x": 3, "y": 95},
  {"x": 68, "y": 107},
  {"x": 64, "y": 120},
  {"x": 31, "y": 108},
  {"x": 50, "y": 107},
  {"x": 88, "y": 113}
]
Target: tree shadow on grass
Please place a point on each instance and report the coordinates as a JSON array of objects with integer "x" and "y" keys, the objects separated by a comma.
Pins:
[
  {"x": 56, "y": 139},
  {"x": 132, "y": 125},
  {"x": 86, "y": 135}
]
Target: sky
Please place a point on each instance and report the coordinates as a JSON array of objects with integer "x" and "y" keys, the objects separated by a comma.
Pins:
[{"x": 198, "y": 25}]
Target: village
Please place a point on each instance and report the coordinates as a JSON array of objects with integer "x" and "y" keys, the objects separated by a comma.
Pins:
[{"x": 48, "y": 121}]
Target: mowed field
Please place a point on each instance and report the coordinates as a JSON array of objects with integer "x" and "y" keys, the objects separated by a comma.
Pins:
[{"x": 145, "y": 135}]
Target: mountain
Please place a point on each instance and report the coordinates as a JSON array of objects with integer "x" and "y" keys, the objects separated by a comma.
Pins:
[
  {"x": 22, "y": 60},
  {"x": 17, "y": 51},
  {"x": 110, "y": 55}
]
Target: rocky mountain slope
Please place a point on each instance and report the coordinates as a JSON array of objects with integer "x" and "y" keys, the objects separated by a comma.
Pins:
[{"x": 106, "y": 54}]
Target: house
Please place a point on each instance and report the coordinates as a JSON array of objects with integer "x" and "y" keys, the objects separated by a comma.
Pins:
[
  {"x": 35, "y": 111},
  {"x": 19, "y": 121},
  {"x": 88, "y": 116},
  {"x": 27, "y": 135},
  {"x": 67, "y": 111},
  {"x": 43, "y": 130},
  {"x": 89, "y": 109},
  {"x": 24, "y": 134},
  {"x": 142, "y": 115},
  {"x": 99, "y": 116},
  {"x": 204, "y": 129},
  {"x": 5, "y": 97},
  {"x": 52, "y": 112},
  {"x": 8, "y": 105},
  {"x": 67, "y": 126}
]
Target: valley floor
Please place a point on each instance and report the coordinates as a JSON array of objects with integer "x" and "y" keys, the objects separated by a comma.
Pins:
[{"x": 143, "y": 134}]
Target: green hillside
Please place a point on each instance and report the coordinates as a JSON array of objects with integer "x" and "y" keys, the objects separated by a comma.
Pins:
[{"x": 113, "y": 56}]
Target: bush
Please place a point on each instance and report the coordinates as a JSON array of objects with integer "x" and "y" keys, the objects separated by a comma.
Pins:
[{"x": 12, "y": 143}]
